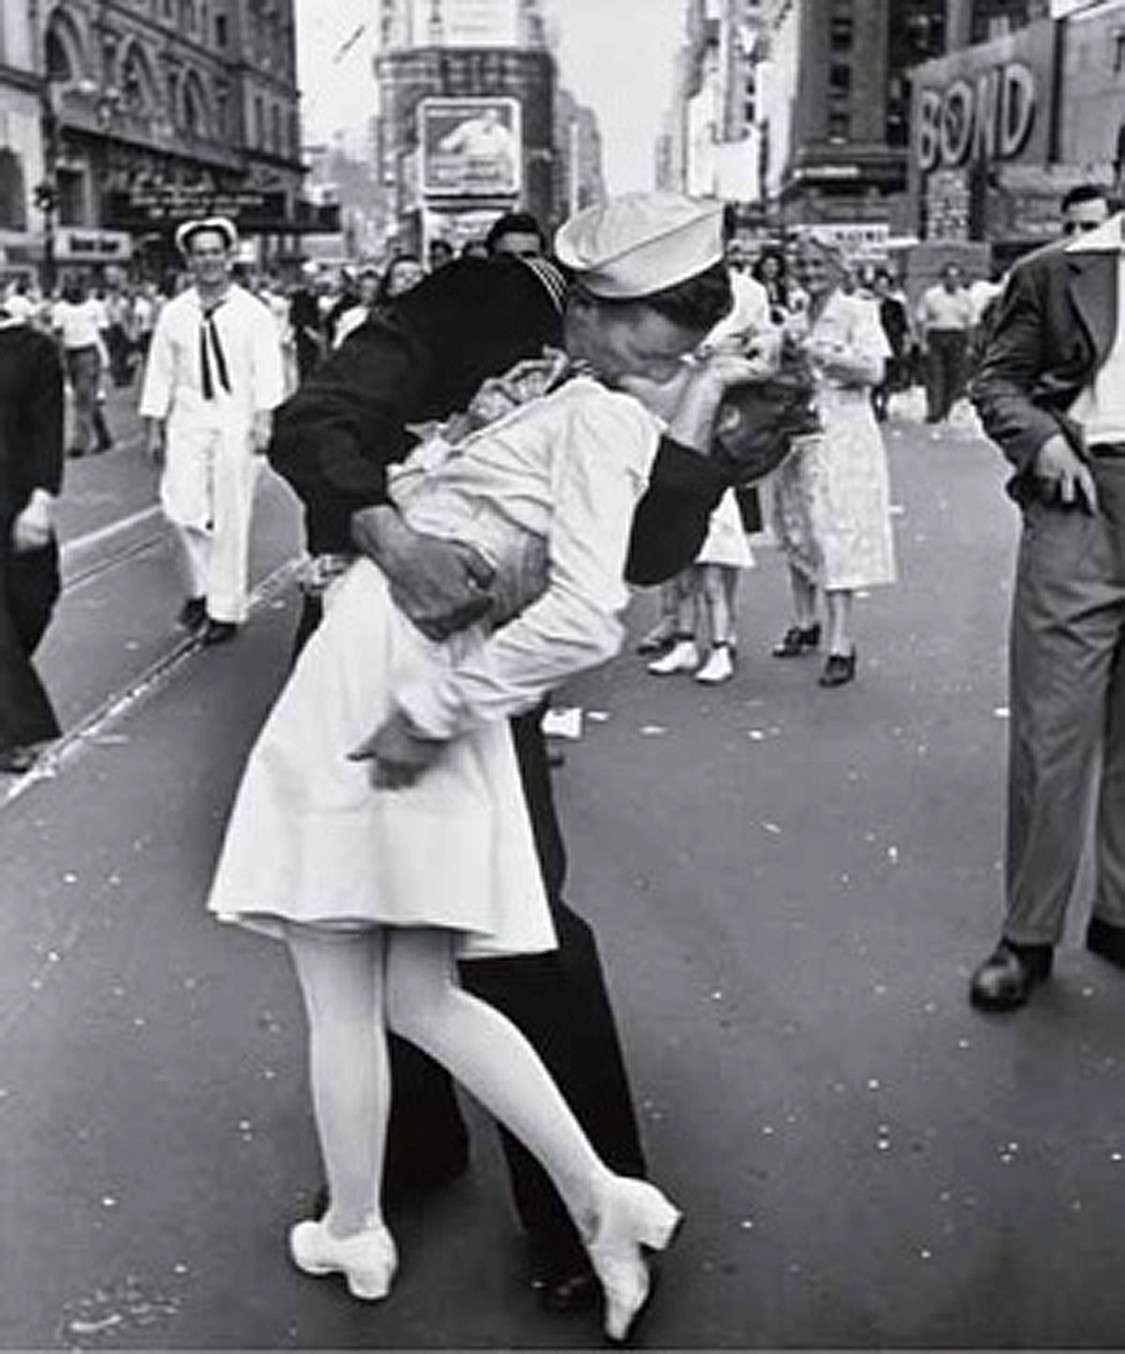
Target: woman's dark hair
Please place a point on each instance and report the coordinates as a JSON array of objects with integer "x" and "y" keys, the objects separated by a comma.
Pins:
[
  {"x": 699, "y": 303},
  {"x": 514, "y": 223},
  {"x": 770, "y": 252},
  {"x": 383, "y": 295}
]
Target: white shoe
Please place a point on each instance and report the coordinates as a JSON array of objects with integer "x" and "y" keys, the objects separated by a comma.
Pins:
[
  {"x": 630, "y": 1215},
  {"x": 367, "y": 1259},
  {"x": 718, "y": 668},
  {"x": 683, "y": 656}
]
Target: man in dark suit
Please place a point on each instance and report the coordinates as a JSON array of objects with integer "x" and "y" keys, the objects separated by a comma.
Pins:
[
  {"x": 31, "y": 462},
  {"x": 419, "y": 360},
  {"x": 1051, "y": 393}
]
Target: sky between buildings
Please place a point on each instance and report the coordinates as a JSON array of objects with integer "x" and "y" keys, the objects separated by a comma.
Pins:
[{"x": 615, "y": 55}]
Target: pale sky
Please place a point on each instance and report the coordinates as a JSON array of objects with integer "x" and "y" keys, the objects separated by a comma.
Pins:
[{"x": 616, "y": 55}]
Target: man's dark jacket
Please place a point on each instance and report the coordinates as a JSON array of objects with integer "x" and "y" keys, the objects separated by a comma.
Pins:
[
  {"x": 423, "y": 359},
  {"x": 1055, "y": 327}
]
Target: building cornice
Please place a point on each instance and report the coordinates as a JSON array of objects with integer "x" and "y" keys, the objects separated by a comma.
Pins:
[{"x": 18, "y": 78}]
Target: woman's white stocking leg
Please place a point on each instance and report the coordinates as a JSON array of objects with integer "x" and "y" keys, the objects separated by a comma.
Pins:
[
  {"x": 492, "y": 1060},
  {"x": 342, "y": 982}
]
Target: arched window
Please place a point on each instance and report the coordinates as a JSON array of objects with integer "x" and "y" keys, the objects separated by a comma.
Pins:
[
  {"x": 63, "y": 51},
  {"x": 137, "y": 83},
  {"x": 196, "y": 119},
  {"x": 13, "y": 191}
]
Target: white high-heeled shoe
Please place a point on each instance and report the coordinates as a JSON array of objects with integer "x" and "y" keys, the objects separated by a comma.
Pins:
[
  {"x": 683, "y": 656},
  {"x": 630, "y": 1215},
  {"x": 367, "y": 1259},
  {"x": 718, "y": 668}
]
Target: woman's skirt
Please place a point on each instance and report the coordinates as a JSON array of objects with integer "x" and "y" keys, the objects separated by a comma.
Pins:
[
  {"x": 725, "y": 542},
  {"x": 832, "y": 502},
  {"x": 311, "y": 841}
]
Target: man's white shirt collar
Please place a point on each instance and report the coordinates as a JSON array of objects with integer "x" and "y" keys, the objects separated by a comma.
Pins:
[{"x": 1109, "y": 237}]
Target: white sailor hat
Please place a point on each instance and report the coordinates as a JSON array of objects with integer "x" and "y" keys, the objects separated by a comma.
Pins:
[
  {"x": 641, "y": 243},
  {"x": 222, "y": 224}
]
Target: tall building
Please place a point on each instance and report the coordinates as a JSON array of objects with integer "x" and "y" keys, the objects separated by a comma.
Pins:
[
  {"x": 155, "y": 109},
  {"x": 1005, "y": 126},
  {"x": 471, "y": 119},
  {"x": 834, "y": 93},
  {"x": 578, "y": 155},
  {"x": 21, "y": 141},
  {"x": 461, "y": 23},
  {"x": 709, "y": 144}
]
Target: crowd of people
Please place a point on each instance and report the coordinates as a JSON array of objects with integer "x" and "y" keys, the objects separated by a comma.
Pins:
[{"x": 489, "y": 451}]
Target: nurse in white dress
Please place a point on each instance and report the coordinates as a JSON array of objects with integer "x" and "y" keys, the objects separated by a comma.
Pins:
[
  {"x": 380, "y": 874},
  {"x": 832, "y": 497}
]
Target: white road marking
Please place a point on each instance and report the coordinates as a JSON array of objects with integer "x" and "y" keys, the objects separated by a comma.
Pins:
[
  {"x": 119, "y": 705},
  {"x": 107, "y": 533}
]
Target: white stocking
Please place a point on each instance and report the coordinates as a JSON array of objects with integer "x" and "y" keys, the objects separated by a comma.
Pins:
[
  {"x": 341, "y": 977},
  {"x": 489, "y": 1056}
]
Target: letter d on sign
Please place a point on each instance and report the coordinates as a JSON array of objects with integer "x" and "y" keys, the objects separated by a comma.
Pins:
[{"x": 1017, "y": 109}]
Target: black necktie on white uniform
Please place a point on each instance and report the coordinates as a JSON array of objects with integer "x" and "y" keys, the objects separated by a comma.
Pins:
[{"x": 207, "y": 330}]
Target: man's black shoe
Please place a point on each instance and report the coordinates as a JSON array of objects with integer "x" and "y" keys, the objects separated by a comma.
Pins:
[
  {"x": 193, "y": 613},
  {"x": 563, "y": 1278},
  {"x": 219, "y": 632},
  {"x": 576, "y": 1291},
  {"x": 1106, "y": 940},
  {"x": 1005, "y": 979}
]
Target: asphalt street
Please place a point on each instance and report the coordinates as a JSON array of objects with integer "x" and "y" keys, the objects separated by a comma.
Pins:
[{"x": 789, "y": 886}]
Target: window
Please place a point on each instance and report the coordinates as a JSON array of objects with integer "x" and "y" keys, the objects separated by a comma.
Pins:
[
  {"x": 259, "y": 122},
  {"x": 13, "y": 191},
  {"x": 72, "y": 197},
  {"x": 220, "y": 30},
  {"x": 275, "y": 129},
  {"x": 839, "y": 124},
  {"x": 59, "y": 65},
  {"x": 839, "y": 81},
  {"x": 841, "y": 26}
]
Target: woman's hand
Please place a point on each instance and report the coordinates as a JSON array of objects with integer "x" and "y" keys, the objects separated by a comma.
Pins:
[{"x": 398, "y": 754}]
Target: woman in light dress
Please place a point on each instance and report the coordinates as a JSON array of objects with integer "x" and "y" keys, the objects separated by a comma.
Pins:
[
  {"x": 832, "y": 498},
  {"x": 384, "y": 785},
  {"x": 698, "y": 607}
]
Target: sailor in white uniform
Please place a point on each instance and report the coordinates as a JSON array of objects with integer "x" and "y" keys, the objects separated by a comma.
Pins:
[{"x": 214, "y": 375}]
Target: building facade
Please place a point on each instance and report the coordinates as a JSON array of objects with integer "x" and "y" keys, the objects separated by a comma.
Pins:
[
  {"x": 834, "y": 99},
  {"x": 472, "y": 121},
  {"x": 153, "y": 110},
  {"x": 1003, "y": 128},
  {"x": 21, "y": 136},
  {"x": 710, "y": 143}
]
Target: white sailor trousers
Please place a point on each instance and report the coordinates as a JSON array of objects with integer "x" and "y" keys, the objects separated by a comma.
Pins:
[{"x": 207, "y": 493}]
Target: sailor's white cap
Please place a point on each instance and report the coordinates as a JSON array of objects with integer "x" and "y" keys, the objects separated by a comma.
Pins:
[{"x": 641, "y": 243}]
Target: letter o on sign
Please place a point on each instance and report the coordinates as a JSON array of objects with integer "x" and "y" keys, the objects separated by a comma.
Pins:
[
  {"x": 928, "y": 135},
  {"x": 957, "y": 123}
]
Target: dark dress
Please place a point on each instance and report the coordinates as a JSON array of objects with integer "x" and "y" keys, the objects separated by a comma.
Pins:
[
  {"x": 421, "y": 359},
  {"x": 31, "y": 457}
]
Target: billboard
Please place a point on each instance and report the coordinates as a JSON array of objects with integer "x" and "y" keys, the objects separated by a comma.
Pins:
[
  {"x": 469, "y": 23},
  {"x": 988, "y": 103},
  {"x": 470, "y": 147}
]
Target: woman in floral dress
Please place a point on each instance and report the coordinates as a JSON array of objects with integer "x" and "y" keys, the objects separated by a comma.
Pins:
[{"x": 832, "y": 498}]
